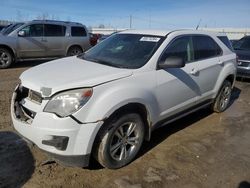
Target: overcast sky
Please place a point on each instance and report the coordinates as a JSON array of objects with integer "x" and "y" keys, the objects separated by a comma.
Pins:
[{"x": 154, "y": 14}]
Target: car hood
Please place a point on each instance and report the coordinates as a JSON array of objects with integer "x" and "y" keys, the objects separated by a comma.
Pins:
[
  {"x": 243, "y": 54},
  {"x": 69, "y": 73}
]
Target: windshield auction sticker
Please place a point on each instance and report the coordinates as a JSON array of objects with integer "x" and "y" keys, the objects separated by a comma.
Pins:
[{"x": 150, "y": 39}]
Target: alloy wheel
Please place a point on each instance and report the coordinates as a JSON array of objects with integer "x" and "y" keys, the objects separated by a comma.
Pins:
[{"x": 124, "y": 141}]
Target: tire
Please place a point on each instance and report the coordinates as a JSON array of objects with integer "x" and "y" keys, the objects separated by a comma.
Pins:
[
  {"x": 74, "y": 50},
  {"x": 6, "y": 58},
  {"x": 222, "y": 99},
  {"x": 119, "y": 141}
]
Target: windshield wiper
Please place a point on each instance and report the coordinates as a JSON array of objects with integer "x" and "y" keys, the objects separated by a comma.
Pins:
[
  {"x": 106, "y": 63},
  {"x": 103, "y": 62}
]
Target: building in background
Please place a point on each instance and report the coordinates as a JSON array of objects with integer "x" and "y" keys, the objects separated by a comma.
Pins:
[
  {"x": 5, "y": 22},
  {"x": 232, "y": 33}
]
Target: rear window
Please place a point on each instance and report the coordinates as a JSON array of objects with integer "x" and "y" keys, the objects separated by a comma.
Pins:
[
  {"x": 51, "y": 30},
  {"x": 205, "y": 47},
  {"x": 78, "y": 32},
  {"x": 225, "y": 40}
]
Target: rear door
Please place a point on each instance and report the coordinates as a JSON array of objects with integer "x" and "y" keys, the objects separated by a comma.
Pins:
[
  {"x": 209, "y": 65},
  {"x": 80, "y": 37},
  {"x": 54, "y": 40},
  {"x": 31, "y": 44},
  {"x": 177, "y": 88}
]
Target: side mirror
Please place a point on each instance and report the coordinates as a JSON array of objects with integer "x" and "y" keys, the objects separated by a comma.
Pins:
[
  {"x": 21, "y": 33},
  {"x": 172, "y": 62}
]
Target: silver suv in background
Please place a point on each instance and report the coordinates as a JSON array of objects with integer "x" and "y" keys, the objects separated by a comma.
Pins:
[{"x": 39, "y": 39}]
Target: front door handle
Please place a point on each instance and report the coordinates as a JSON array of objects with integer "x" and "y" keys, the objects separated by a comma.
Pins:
[
  {"x": 44, "y": 40},
  {"x": 194, "y": 71}
]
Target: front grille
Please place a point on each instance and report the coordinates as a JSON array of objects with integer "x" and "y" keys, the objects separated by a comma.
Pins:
[
  {"x": 243, "y": 64},
  {"x": 35, "y": 96},
  {"x": 21, "y": 112}
]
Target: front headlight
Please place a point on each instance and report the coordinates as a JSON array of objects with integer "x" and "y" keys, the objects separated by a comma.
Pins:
[{"x": 68, "y": 102}]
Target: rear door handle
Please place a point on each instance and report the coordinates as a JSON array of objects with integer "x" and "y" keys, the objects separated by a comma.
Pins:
[
  {"x": 44, "y": 40},
  {"x": 220, "y": 62},
  {"x": 194, "y": 71}
]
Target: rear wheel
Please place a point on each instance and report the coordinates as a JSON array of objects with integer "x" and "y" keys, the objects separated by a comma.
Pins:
[
  {"x": 119, "y": 141},
  {"x": 6, "y": 58},
  {"x": 74, "y": 50},
  {"x": 223, "y": 97}
]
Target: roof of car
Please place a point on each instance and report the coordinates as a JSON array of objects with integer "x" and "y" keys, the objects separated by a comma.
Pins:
[
  {"x": 57, "y": 21},
  {"x": 166, "y": 32}
]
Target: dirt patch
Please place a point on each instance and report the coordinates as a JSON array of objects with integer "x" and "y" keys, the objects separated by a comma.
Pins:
[{"x": 201, "y": 150}]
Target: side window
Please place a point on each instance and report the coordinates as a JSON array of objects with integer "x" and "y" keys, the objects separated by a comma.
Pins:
[
  {"x": 205, "y": 47},
  {"x": 225, "y": 40},
  {"x": 243, "y": 44},
  {"x": 35, "y": 30},
  {"x": 78, "y": 32},
  {"x": 51, "y": 30},
  {"x": 181, "y": 47}
]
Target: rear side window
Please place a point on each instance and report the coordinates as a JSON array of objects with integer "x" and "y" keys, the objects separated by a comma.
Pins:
[
  {"x": 78, "y": 32},
  {"x": 51, "y": 30},
  {"x": 225, "y": 40},
  {"x": 205, "y": 47},
  {"x": 181, "y": 47}
]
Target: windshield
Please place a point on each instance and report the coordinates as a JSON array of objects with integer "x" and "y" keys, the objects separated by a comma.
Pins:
[
  {"x": 242, "y": 44},
  {"x": 124, "y": 50},
  {"x": 8, "y": 29}
]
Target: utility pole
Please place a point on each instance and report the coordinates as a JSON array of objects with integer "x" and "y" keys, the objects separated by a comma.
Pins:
[{"x": 130, "y": 21}]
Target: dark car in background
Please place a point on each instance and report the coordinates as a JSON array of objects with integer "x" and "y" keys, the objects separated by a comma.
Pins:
[
  {"x": 11, "y": 27},
  {"x": 1, "y": 27},
  {"x": 103, "y": 37},
  {"x": 242, "y": 49}
]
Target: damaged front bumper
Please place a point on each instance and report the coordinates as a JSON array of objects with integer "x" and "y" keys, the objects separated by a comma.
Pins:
[{"x": 62, "y": 138}]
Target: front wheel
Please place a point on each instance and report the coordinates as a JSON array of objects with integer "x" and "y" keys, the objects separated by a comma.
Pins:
[
  {"x": 6, "y": 58},
  {"x": 119, "y": 141},
  {"x": 223, "y": 97}
]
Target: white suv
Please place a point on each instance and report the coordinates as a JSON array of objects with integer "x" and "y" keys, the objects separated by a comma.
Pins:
[{"x": 106, "y": 102}]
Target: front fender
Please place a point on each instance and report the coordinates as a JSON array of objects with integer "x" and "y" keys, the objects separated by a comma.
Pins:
[
  {"x": 8, "y": 42},
  {"x": 106, "y": 100}
]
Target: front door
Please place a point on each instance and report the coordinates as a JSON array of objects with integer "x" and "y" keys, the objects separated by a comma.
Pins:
[{"x": 31, "y": 44}]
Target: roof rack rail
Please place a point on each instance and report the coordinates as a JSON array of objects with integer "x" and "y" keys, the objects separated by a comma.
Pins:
[{"x": 59, "y": 21}]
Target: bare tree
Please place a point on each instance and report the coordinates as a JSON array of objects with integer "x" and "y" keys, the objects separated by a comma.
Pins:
[
  {"x": 101, "y": 26},
  {"x": 19, "y": 16},
  {"x": 46, "y": 16}
]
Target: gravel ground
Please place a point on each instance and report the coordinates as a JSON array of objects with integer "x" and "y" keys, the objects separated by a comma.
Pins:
[{"x": 203, "y": 149}]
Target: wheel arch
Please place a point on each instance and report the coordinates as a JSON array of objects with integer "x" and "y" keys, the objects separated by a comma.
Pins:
[
  {"x": 73, "y": 45},
  {"x": 231, "y": 78},
  {"x": 228, "y": 73},
  {"x": 138, "y": 108},
  {"x": 10, "y": 49}
]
